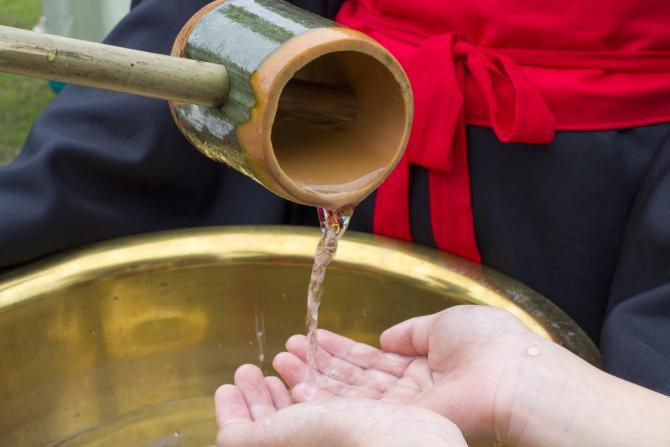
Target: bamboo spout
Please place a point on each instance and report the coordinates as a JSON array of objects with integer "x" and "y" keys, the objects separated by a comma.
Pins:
[{"x": 157, "y": 76}]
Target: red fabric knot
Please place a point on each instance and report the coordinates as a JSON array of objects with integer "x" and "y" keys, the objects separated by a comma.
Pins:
[
  {"x": 437, "y": 71},
  {"x": 518, "y": 113}
]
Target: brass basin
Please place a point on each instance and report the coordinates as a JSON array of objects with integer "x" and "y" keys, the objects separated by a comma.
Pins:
[{"x": 123, "y": 343}]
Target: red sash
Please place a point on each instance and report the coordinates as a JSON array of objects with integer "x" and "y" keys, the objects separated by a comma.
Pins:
[{"x": 524, "y": 95}]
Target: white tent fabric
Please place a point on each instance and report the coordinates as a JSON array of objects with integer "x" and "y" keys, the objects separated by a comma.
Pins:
[{"x": 84, "y": 19}]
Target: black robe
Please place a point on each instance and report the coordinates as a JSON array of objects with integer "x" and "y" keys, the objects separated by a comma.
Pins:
[{"x": 584, "y": 220}]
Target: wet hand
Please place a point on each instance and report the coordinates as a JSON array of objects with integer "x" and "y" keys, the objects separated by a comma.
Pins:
[
  {"x": 478, "y": 366},
  {"x": 259, "y": 411}
]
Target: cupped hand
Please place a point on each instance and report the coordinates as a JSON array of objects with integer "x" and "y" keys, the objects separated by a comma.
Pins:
[
  {"x": 478, "y": 366},
  {"x": 259, "y": 411}
]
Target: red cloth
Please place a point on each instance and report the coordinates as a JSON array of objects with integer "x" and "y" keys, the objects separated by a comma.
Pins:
[{"x": 523, "y": 69}]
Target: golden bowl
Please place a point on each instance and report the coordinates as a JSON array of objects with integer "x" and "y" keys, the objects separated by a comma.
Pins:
[{"x": 123, "y": 343}]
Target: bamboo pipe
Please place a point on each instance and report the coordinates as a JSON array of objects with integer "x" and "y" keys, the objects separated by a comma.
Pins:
[{"x": 141, "y": 73}]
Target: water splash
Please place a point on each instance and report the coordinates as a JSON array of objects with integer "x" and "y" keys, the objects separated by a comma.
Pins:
[
  {"x": 334, "y": 224},
  {"x": 260, "y": 331},
  {"x": 172, "y": 440}
]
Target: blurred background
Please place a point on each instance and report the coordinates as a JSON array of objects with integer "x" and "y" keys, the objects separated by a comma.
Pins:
[{"x": 22, "y": 99}]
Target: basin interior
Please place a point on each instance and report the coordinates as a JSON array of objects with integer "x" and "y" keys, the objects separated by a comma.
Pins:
[
  {"x": 124, "y": 345},
  {"x": 112, "y": 348}
]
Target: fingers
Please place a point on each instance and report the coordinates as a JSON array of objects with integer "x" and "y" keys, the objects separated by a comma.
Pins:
[
  {"x": 291, "y": 368},
  {"x": 230, "y": 406},
  {"x": 250, "y": 381},
  {"x": 343, "y": 371},
  {"x": 362, "y": 355},
  {"x": 294, "y": 371},
  {"x": 303, "y": 392},
  {"x": 299, "y": 345},
  {"x": 348, "y": 358},
  {"x": 252, "y": 398},
  {"x": 281, "y": 398}
]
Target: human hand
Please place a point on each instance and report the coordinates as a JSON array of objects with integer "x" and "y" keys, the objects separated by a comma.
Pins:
[
  {"x": 481, "y": 368},
  {"x": 259, "y": 411}
]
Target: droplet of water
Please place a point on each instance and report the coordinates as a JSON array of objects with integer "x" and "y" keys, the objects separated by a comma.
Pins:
[
  {"x": 312, "y": 391},
  {"x": 533, "y": 351},
  {"x": 333, "y": 373}
]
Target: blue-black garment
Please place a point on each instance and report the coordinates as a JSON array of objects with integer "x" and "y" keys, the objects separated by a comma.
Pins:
[{"x": 584, "y": 220}]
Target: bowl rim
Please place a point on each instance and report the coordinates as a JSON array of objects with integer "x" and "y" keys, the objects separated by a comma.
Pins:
[{"x": 425, "y": 267}]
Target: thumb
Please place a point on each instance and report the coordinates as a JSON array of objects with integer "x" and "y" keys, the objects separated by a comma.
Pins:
[{"x": 410, "y": 337}]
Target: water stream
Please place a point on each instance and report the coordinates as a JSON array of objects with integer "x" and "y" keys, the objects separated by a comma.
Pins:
[{"x": 334, "y": 224}]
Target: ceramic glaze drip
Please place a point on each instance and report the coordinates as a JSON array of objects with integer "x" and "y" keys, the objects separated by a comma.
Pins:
[{"x": 333, "y": 226}]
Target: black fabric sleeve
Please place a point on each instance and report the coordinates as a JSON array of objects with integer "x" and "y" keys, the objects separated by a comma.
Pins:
[
  {"x": 636, "y": 336},
  {"x": 326, "y": 8},
  {"x": 99, "y": 165}
]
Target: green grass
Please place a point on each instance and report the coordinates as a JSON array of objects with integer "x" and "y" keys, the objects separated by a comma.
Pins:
[{"x": 21, "y": 99}]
